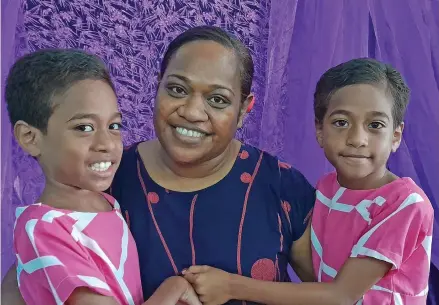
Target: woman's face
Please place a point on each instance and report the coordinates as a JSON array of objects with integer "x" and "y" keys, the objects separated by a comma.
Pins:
[{"x": 198, "y": 105}]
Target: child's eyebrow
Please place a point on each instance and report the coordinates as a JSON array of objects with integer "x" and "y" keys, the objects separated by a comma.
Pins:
[
  {"x": 370, "y": 113},
  {"x": 340, "y": 111},
  {"x": 379, "y": 113},
  {"x": 92, "y": 116}
]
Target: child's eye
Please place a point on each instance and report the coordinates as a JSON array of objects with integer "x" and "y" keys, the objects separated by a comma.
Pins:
[
  {"x": 84, "y": 128},
  {"x": 340, "y": 123},
  {"x": 116, "y": 126},
  {"x": 376, "y": 125}
]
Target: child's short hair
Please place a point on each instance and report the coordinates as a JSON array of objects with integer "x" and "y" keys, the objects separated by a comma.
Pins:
[
  {"x": 362, "y": 71},
  {"x": 36, "y": 78}
]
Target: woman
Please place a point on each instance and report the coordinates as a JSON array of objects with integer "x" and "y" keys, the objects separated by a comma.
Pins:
[{"x": 197, "y": 196}]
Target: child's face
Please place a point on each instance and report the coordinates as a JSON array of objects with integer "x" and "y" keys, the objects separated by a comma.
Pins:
[
  {"x": 357, "y": 133},
  {"x": 82, "y": 147}
]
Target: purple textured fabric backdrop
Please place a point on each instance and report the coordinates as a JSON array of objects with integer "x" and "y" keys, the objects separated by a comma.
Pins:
[{"x": 293, "y": 42}]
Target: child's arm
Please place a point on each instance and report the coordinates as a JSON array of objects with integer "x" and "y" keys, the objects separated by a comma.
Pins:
[
  {"x": 10, "y": 294},
  {"x": 85, "y": 296},
  {"x": 174, "y": 290},
  {"x": 357, "y": 276},
  {"x": 402, "y": 231},
  {"x": 346, "y": 289}
]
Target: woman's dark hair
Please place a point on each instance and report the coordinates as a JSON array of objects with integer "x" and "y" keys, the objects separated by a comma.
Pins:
[
  {"x": 37, "y": 77},
  {"x": 362, "y": 71},
  {"x": 220, "y": 36}
]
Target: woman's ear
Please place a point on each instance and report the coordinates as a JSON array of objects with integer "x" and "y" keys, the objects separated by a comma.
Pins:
[
  {"x": 251, "y": 104},
  {"x": 246, "y": 107},
  {"x": 159, "y": 81},
  {"x": 28, "y": 137}
]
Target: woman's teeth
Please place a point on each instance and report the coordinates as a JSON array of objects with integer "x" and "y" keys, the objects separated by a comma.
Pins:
[
  {"x": 189, "y": 133},
  {"x": 100, "y": 166}
]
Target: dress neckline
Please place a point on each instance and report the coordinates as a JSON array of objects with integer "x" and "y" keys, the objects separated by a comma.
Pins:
[{"x": 142, "y": 170}]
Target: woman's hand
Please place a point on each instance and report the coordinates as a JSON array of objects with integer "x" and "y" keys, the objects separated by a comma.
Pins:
[{"x": 211, "y": 284}]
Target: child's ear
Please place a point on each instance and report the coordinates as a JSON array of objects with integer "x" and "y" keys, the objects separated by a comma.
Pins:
[
  {"x": 28, "y": 137},
  {"x": 397, "y": 137},
  {"x": 319, "y": 132}
]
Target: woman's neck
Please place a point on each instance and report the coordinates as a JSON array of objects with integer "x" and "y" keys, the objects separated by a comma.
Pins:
[
  {"x": 186, "y": 177},
  {"x": 202, "y": 170}
]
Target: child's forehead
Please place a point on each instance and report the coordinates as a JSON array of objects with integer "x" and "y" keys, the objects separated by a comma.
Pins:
[
  {"x": 85, "y": 96},
  {"x": 362, "y": 98}
]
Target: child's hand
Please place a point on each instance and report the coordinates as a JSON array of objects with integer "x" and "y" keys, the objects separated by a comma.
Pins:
[
  {"x": 211, "y": 284},
  {"x": 189, "y": 297},
  {"x": 175, "y": 290}
]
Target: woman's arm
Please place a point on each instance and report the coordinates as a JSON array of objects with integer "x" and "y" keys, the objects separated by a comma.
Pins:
[
  {"x": 298, "y": 198},
  {"x": 301, "y": 256}
]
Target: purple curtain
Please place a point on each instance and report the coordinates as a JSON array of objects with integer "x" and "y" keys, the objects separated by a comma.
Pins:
[
  {"x": 11, "y": 21},
  {"x": 293, "y": 42}
]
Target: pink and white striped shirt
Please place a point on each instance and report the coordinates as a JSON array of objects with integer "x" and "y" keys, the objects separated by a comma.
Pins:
[
  {"x": 393, "y": 223},
  {"x": 59, "y": 250}
]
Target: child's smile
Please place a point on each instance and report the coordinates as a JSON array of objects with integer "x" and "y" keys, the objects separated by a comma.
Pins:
[{"x": 83, "y": 147}]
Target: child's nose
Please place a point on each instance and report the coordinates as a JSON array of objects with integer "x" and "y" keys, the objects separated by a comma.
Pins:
[
  {"x": 104, "y": 142},
  {"x": 357, "y": 137}
]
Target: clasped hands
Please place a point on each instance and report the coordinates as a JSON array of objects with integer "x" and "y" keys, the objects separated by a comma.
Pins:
[{"x": 212, "y": 285}]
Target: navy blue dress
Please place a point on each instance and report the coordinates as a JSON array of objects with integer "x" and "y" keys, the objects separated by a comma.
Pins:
[{"x": 244, "y": 224}]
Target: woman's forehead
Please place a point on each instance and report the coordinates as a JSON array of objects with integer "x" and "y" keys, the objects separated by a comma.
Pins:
[{"x": 207, "y": 62}]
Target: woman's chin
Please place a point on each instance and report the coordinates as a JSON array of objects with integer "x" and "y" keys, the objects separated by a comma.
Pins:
[{"x": 183, "y": 157}]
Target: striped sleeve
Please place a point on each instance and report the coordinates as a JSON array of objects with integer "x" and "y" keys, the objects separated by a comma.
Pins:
[
  {"x": 403, "y": 229},
  {"x": 51, "y": 263}
]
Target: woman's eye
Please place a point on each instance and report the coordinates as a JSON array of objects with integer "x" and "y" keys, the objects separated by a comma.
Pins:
[
  {"x": 340, "y": 123},
  {"x": 84, "y": 128},
  {"x": 376, "y": 125},
  {"x": 176, "y": 90},
  {"x": 217, "y": 100},
  {"x": 116, "y": 126}
]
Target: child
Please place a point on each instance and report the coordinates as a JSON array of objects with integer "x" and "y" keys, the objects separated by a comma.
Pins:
[
  {"x": 371, "y": 231},
  {"x": 364, "y": 214},
  {"x": 73, "y": 246}
]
